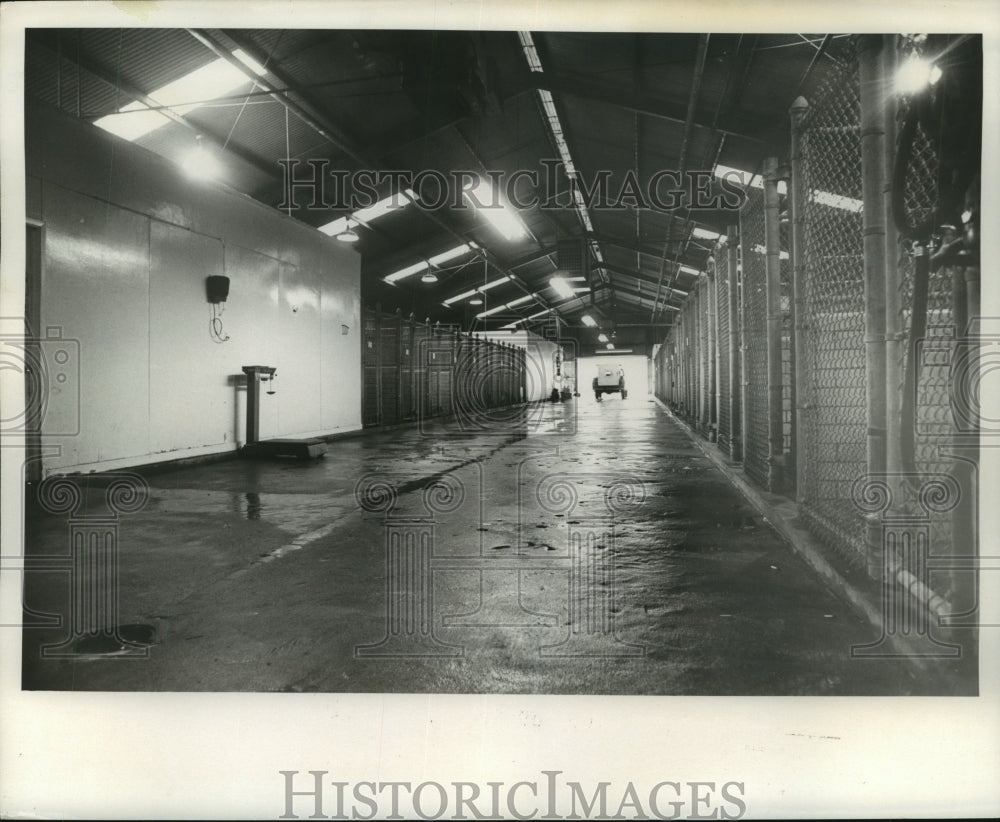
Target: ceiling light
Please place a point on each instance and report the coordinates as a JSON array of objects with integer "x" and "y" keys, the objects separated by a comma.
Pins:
[
  {"x": 437, "y": 259},
  {"x": 471, "y": 291},
  {"x": 561, "y": 287},
  {"x": 504, "y": 219},
  {"x": 705, "y": 234},
  {"x": 199, "y": 164},
  {"x": 429, "y": 277},
  {"x": 476, "y": 301},
  {"x": 602, "y": 337},
  {"x": 394, "y": 202},
  {"x": 588, "y": 321},
  {"x": 915, "y": 73},
  {"x": 452, "y": 253},
  {"x": 610, "y": 346},
  {"x": 511, "y": 304},
  {"x": 370, "y": 213},
  {"x": 348, "y": 235},
  {"x": 745, "y": 178}
]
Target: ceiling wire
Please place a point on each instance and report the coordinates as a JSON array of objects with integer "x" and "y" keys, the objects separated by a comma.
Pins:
[{"x": 246, "y": 100}]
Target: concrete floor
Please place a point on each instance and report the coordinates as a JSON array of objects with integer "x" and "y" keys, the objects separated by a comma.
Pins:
[{"x": 268, "y": 576}]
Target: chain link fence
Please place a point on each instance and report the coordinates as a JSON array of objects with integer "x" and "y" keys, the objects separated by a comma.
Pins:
[
  {"x": 713, "y": 365},
  {"x": 932, "y": 416},
  {"x": 754, "y": 343},
  {"x": 834, "y": 420},
  {"x": 724, "y": 281}
]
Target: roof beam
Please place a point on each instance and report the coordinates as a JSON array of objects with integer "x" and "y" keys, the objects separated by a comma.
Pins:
[
  {"x": 583, "y": 87},
  {"x": 628, "y": 272},
  {"x": 309, "y": 113},
  {"x": 646, "y": 249}
]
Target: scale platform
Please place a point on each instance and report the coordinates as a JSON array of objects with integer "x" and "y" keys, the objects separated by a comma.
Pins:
[{"x": 301, "y": 449}]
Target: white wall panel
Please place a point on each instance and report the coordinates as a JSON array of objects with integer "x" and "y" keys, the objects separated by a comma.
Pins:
[
  {"x": 128, "y": 246},
  {"x": 190, "y": 400},
  {"x": 95, "y": 287}
]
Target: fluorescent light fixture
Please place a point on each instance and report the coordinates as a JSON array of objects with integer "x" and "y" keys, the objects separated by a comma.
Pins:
[
  {"x": 478, "y": 290},
  {"x": 745, "y": 178},
  {"x": 505, "y": 306},
  {"x": 581, "y": 289},
  {"x": 437, "y": 259},
  {"x": 838, "y": 201},
  {"x": 501, "y": 216},
  {"x": 558, "y": 136},
  {"x": 406, "y": 272},
  {"x": 602, "y": 337},
  {"x": 705, "y": 234},
  {"x": 686, "y": 269},
  {"x": 539, "y": 314},
  {"x": 530, "y": 317},
  {"x": 393, "y": 202},
  {"x": 575, "y": 279},
  {"x": 561, "y": 287},
  {"x": 914, "y": 73},
  {"x": 215, "y": 79},
  {"x": 588, "y": 321},
  {"x": 452, "y": 253}
]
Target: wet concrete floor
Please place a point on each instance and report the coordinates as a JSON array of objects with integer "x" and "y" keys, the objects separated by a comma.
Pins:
[{"x": 591, "y": 549}]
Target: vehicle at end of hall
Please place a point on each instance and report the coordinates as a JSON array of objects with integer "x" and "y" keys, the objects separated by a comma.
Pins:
[{"x": 610, "y": 380}]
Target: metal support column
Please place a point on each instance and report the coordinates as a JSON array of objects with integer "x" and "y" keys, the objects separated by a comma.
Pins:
[
  {"x": 772, "y": 236},
  {"x": 873, "y": 177}
]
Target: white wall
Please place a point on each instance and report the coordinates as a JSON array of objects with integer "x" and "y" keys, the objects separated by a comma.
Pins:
[{"x": 128, "y": 243}]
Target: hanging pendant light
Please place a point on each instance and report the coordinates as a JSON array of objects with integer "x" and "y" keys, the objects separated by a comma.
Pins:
[
  {"x": 348, "y": 235},
  {"x": 429, "y": 276}
]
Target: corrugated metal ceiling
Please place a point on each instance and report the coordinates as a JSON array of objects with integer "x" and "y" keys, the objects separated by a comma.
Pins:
[{"x": 443, "y": 100}]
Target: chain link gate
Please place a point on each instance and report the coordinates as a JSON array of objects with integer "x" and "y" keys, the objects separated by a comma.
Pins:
[{"x": 834, "y": 400}]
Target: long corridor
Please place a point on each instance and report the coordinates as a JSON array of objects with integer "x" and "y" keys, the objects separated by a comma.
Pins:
[{"x": 587, "y": 548}]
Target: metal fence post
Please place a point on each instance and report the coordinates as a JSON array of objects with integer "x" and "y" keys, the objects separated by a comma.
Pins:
[
  {"x": 378, "y": 364},
  {"x": 894, "y": 333},
  {"x": 796, "y": 198},
  {"x": 713, "y": 353},
  {"x": 873, "y": 177},
  {"x": 772, "y": 235},
  {"x": 744, "y": 382},
  {"x": 735, "y": 326}
]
